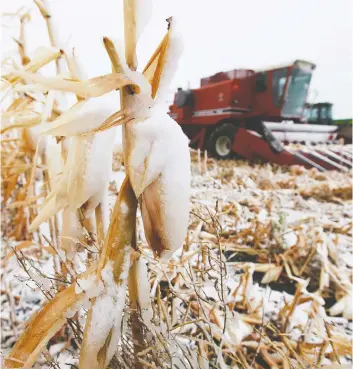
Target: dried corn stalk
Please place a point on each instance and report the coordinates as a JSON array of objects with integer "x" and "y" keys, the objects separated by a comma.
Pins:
[
  {"x": 43, "y": 326},
  {"x": 160, "y": 186}
]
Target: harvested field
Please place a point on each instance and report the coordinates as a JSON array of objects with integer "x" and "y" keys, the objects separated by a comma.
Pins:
[{"x": 264, "y": 278}]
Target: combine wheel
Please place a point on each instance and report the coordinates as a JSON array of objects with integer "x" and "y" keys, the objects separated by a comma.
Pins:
[{"x": 221, "y": 140}]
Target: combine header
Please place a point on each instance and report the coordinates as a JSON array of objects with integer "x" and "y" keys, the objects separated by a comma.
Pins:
[{"x": 250, "y": 113}]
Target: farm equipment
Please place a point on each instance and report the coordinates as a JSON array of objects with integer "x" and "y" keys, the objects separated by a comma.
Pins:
[
  {"x": 344, "y": 130},
  {"x": 249, "y": 113},
  {"x": 321, "y": 113}
]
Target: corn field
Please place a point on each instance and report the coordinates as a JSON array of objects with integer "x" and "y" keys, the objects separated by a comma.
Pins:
[{"x": 155, "y": 255}]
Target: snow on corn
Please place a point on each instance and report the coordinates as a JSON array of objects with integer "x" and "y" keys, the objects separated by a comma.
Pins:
[{"x": 233, "y": 283}]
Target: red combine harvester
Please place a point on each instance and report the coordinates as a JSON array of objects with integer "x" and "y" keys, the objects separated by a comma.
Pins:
[{"x": 250, "y": 113}]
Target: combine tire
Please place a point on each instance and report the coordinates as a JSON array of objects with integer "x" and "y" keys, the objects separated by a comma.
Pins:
[{"x": 220, "y": 142}]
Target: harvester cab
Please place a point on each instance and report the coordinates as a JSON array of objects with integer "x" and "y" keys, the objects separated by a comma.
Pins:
[
  {"x": 281, "y": 92},
  {"x": 319, "y": 113}
]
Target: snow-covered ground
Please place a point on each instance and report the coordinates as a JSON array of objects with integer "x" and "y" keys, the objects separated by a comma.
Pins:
[{"x": 248, "y": 225}]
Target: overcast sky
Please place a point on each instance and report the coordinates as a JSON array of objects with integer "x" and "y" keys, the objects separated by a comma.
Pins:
[{"x": 218, "y": 35}]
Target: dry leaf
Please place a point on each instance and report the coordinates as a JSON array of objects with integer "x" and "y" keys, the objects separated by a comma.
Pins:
[
  {"x": 272, "y": 275},
  {"x": 93, "y": 87},
  {"x": 43, "y": 326},
  {"x": 42, "y": 56}
]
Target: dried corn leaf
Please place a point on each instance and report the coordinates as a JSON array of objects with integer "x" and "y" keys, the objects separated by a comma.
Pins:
[
  {"x": 272, "y": 275},
  {"x": 23, "y": 123},
  {"x": 113, "y": 55},
  {"x": 10, "y": 185},
  {"x": 152, "y": 63},
  {"x": 154, "y": 68},
  {"x": 18, "y": 204},
  {"x": 93, "y": 87},
  {"x": 43, "y": 56},
  {"x": 42, "y": 9},
  {"x": 43, "y": 326},
  {"x": 343, "y": 345},
  {"x": 19, "y": 104},
  {"x": 64, "y": 121},
  {"x": 130, "y": 33},
  {"x": 109, "y": 123}
]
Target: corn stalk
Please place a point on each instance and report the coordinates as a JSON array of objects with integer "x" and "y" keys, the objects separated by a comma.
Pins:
[
  {"x": 97, "y": 352},
  {"x": 103, "y": 323}
]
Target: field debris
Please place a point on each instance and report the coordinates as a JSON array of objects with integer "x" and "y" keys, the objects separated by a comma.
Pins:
[
  {"x": 264, "y": 278},
  {"x": 89, "y": 280}
]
